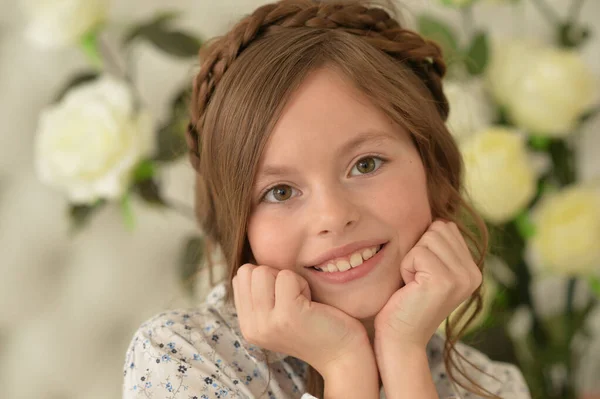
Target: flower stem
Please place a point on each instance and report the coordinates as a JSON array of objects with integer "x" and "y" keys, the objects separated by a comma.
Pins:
[
  {"x": 468, "y": 20},
  {"x": 111, "y": 59},
  {"x": 549, "y": 13},
  {"x": 182, "y": 209},
  {"x": 575, "y": 10},
  {"x": 570, "y": 331}
]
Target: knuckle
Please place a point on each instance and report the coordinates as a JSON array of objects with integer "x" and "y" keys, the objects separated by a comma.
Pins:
[
  {"x": 438, "y": 224},
  {"x": 283, "y": 323},
  {"x": 245, "y": 269},
  {"x": 261, "y": 271}
]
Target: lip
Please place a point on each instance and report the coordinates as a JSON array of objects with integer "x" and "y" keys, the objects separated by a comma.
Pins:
[
  {"x": 343, "y": 251},
  {"x": 351, "y": 274}
]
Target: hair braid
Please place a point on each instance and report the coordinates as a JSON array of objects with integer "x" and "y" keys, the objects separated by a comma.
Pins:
[{"x": 374, "y": 24}]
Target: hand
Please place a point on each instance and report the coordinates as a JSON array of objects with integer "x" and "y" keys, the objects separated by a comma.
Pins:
[
  {"x": 439, "y": 274},
  {"x": 275, "y": 312}
]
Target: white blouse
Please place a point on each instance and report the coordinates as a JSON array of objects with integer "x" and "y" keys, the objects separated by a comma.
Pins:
[{"x": 200, "y": 353}]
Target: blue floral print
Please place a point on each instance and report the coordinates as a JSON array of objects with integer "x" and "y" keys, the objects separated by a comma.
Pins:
[{"x": 200, "y": 353}]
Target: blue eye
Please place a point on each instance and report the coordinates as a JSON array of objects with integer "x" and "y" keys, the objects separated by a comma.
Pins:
[
  {"x": 279, "y": 193},
  {"x": 367, "y": 165}
]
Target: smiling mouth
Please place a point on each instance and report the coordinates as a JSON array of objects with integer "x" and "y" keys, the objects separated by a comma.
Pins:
[{"x": 355, "y": 260}]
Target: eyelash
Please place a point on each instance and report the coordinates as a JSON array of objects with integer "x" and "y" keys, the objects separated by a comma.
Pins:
[{"x": 374, "y": 156}]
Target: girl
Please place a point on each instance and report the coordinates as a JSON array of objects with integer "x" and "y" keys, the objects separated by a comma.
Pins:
[{"x": 328, "y": 178}]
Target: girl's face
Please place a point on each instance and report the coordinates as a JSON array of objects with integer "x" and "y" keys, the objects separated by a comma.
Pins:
[{"x": 338, "y": 177}]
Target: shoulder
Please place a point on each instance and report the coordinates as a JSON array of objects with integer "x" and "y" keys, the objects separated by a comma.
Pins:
[
  {"x": 197, "y": 352},
  {"x": 180, "y": 350},
  {"x": 502, "y": 379}
]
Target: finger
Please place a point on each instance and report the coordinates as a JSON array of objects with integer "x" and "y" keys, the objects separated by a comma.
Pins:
[
  {"x": 466, "y": 257},
  {"x": 421, "y": 262},
  {"x": 244, "y": 281},
  {"x": 434, "y": 241},
  {"x": 289, "y": 286},
  {"x": 459, "y": 236},
  {"x": 263, "y": 289},
  {"x": 445, "y": 230}
]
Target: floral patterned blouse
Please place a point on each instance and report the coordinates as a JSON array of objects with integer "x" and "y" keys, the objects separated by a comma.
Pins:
[{"x": 200, "y": 353}]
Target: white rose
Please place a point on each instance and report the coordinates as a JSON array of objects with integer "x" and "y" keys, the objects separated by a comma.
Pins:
[
  {"x": 500, "y": 175},
  {"x": 56, "y": 23},
  {"x": 567, "y": 232},
  {"x": 507, "y": 62},
  {"x": 470, "y": 108},
  {"x": 88, "y": 143},
  {"x": 545, "y": 90}
]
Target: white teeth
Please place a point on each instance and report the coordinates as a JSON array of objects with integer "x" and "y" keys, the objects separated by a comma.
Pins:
[
  {"x": 356, "y": 260},
  {"x": 343, "y": 265}
]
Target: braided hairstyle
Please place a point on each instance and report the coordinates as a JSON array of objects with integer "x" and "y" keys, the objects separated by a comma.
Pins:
[{"x": 245, "y": 79}]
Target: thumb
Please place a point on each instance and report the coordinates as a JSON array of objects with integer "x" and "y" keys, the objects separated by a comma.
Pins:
[{"x": 291, "y": 287}]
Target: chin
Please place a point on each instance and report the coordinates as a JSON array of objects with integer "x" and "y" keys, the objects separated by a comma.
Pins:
[{"x": 362, "y": 304}]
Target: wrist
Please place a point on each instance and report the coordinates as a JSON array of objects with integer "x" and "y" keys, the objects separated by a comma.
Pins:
[
  {"x": 404, "y": 369},
  {"x": 358, "y": 362},
  {"x": 396, "y": 339},
  {"x": 354, "y": 375}
]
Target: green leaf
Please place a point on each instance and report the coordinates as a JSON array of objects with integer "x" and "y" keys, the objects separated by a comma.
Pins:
[
  {"x": 524, "y": 225},
  {"x": 80, "y": 215},
  {"x": 190, "y": 260},
  {"x": 589, "y": 115},
  {"x": 477, "y": 54},
  {"x": 144, "y": 170},
  {"x": 595, "y": 285},
  {"x": 78, "y": 79},
  {"x": 173, "y": 42},
  {"x": 571, "y": 35},
  {"x": 127, "y": 212},
  {"x": 457, "y": 4},
  {"x": 171, "y": 136},
  {"x": 541, "y": 143},
  {"x": 439, "y": 32},
  {"x": 158, "y": 20},
  {"x": 150, "y": 192},
  {"x": 89, "y": 45}
]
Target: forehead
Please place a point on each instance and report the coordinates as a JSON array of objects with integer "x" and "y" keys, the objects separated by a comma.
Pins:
[{"x": 325, "y": 112}]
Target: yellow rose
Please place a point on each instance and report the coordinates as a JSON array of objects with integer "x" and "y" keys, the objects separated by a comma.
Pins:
[
  {"x": 500, "y": 175},
  {"x": 545, "y": 90},
  {"x": 567, "y": 232},
  {"x": 507, "y": 62},
  {"x": 553, "y": 93},
  {"x": 470, "y": 108}
]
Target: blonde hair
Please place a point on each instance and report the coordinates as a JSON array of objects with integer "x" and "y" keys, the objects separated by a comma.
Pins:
[{"x": 245, "y": 80}]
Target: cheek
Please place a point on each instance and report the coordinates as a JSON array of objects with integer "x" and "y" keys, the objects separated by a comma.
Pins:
[
  {"x": 272, "y": 241},
  {"x": 404, "y": 205}
]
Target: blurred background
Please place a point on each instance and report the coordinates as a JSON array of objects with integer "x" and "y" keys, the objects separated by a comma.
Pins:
[{"x": 97, "y": 231}]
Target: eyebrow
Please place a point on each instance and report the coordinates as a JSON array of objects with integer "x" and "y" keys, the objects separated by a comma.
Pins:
[{"x": 369, "y": 136}]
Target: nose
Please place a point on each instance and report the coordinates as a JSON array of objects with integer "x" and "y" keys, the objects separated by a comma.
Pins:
[{"x": 334, "y": 211}]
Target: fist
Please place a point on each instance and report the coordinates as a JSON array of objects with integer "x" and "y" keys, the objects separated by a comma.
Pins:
[
  {"x": 439, "y": 274},
  {"x": 275, "y": 312}
]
